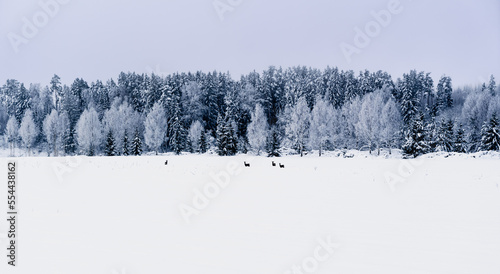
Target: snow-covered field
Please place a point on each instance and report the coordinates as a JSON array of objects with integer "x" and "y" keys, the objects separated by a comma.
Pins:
[{"x": 209, "y": 214}]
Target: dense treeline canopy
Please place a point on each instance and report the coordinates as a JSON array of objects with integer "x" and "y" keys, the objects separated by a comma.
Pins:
[{"x": 298, "y": 108}]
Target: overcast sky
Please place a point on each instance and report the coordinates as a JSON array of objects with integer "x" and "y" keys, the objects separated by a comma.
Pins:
[{"x": 97, "y": 39}]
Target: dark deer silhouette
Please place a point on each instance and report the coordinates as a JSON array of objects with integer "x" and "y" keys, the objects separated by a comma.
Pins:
[
  {"x": 282, "y": 166},
  {"x": 246, "y": 164},
  {"x": 166, "y": 162},
  {"x": 274, "y": 164}
]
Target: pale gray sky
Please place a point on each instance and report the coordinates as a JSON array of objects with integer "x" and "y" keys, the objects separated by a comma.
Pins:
[{"x": 96, "y": 39}]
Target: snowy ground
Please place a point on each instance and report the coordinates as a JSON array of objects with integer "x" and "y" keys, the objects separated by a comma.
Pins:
[{"x": 365, "y": 214}]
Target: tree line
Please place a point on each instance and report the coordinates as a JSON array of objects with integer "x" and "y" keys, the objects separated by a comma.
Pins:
[{"x": 299, "y": 109}]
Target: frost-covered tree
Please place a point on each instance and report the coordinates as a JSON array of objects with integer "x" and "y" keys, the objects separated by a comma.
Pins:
[
  {"x": 89, "y": 132},
  {"x": 350, "y": 117},
  {"x": 12, "y": 132},
  {"x": 337, "y": 129},
  {"x": 195, "y": 133},
  {"x": 391, "y": 124},
  {"x": 321, "y": 124},
  {"x": 493, "y": 106},
  {"x": 257, "y": 130},
  {"x": 491, "y": 134},
  {"x": 192, "y": 98},
  {"x": 474, "y": 114},
  {"x": 369, "y": 126},
  {"x": 379, "y": 120},
  {"x": 52, "y": 130},
  {"x": 121, "y": 118},
  {"x": 28, "y": 130},
  {"x": 41, "y": 104},
  {"x": 155, "y": 127},
  {"x": 297, "y": 128},
  {"x": 110, "y": 147}
]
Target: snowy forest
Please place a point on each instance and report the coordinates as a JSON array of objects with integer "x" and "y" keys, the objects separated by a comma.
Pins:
[{"x": 294, "y": 110}]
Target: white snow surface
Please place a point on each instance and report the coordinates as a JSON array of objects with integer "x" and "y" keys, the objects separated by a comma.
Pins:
[{"x": 121, "y": 214}]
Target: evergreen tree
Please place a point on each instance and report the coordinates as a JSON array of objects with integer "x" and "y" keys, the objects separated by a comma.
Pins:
[
  {"x": 459, "y": 145},
  {"x": 67, "y": 134},
  {"x": 125, "y": 149},
  {"x": 273, "y": 143},
  {"x": 78, "y": 90},
  {"x": 17, "y": 99},
  {"x": 416, "y": 95},
  {"x": 212, "y": 99},
  {"x": 226, "y": 139},
  {"x": 408, "y": 106},
  {"x": 221, "y": 138},
  {"x": 232, "y": 140},
  {"x": 22, "y": 101},
  {"x": 492, "y": 86},
  {"x": 69, "y": 104},
  {"x": 445, "y": 138},
  {"x": 177, "y": 133},
  {"x": 177, "y": 137},
  {"x": 97, "y": 95},
  {"x": 110, "y": 144},
  {"x": 203, "y": 142},
  {"x": 271, "y": 93},
  {"x": 444, "y": 91},
  {"x": 415, "y": 144},
  {"x": 4, "y": 117},
  {"x": 431, "y": 133},
  {"x": 56, "y": 90},
  {"x": 137, "y": 144},
  {"x": 69, "y": 141},
  {"x": 242, "y": 144},
  {"x": 491, "y": 135}
]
